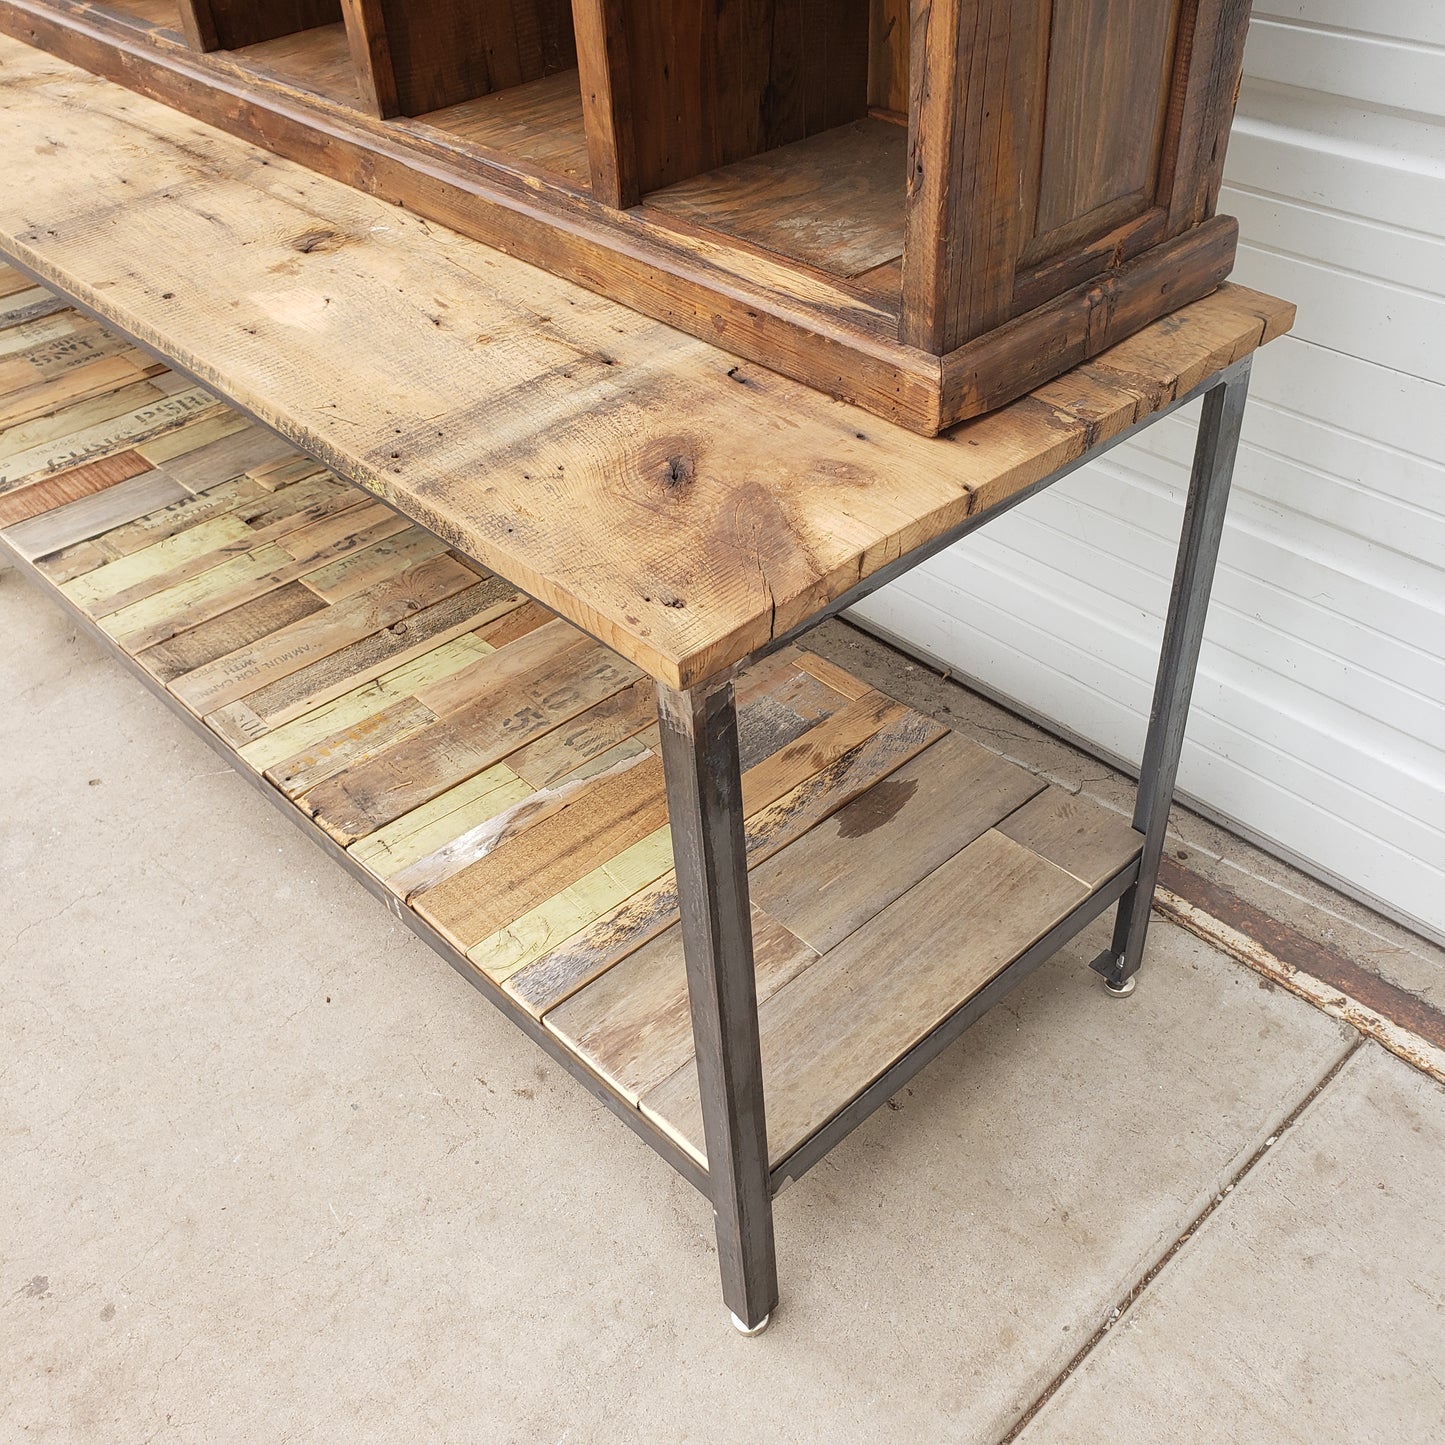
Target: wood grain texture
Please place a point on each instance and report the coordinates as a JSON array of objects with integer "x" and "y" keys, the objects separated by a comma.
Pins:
[
  {"x": 380, "y": 652},
  {"x": 387, "y": 605},
  {"x": 839, "y": 1024},
  {"x": 48, "y": 493},
  {"x": 789, "y": 315},
  {"x": 721, "y": 505},
  {"x": 90, "y": 515},
  {"x": 76, "y": 384},
  {"x": 560, "y": 960},
  {"x": 1105, "y": 113},
  {"x": 600, "y": 821},
  {"x": 241, "y": 625},
  {"x": 228, "y": 457},
  {"x": 501, "y": 773},
  {"x": 316, "y": 62},
  {"x": 466, "y": 741},
  {"x": 282, "y": 743},
  {"x": 230, "y": 24},
  {"x": 1074, "y": 834},
  {"x": 834, "y": 200},
  {"x": 538, "y": 124},
  {"x": 837, "y": 876},
  {"x": 416, "y": 56},
  {"x": 888, "y": 48},
  {"x": 632, "y": 1024},
  {"x": 711, "y": 82}
]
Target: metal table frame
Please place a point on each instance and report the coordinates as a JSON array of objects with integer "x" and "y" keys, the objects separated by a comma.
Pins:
[
  {"x": 699, "y": 730},
  {"x": 704, "y": 794}
]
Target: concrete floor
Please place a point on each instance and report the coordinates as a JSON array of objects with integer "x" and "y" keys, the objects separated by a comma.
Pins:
[{"x": 272, "y": 1172}]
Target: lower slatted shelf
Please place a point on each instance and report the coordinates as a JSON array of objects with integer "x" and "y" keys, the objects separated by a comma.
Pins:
[{"x": 498, "y": 771}]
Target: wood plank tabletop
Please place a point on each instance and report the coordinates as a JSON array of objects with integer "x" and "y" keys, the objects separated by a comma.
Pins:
[
  {"x": 497, "y": 773},
  {"x": 679, "y": 505}
]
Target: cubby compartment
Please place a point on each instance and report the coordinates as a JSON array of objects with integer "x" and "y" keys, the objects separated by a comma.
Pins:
[
  {"x": 833, "y": 202},
  {"x": 675, "y": 89},
  {"x": 300, "y": 43},
  {"x": 317, "y": 60},
  {"x": 757, "y": 122},
  {"x": 537, "y": 125},
  {"x": 419, "y": 57},
  {"x": 928, "y": 207},
  {"x": 237, "y": 24}
]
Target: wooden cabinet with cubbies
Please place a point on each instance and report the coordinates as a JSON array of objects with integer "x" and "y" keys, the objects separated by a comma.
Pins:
[{"x": 927, "y": 209}]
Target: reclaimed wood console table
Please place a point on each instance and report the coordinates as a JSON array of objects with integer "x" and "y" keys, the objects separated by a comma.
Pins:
[{"x": 494, "y": 587}]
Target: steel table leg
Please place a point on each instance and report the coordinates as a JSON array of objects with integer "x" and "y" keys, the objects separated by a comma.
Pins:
[
  {"x": 1183, "y": 634},
  {"x": 705, "y": 806}
]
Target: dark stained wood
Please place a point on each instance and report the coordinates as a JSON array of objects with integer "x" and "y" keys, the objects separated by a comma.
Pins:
[
  {"x": 1087, "y": 320},
  {"x": 1057, "y": 148},
  {"x": 1104, "y": 119},
  {"x": 605, "y": 83},
  {"x": 416, "y": 56},
  {"x": 1206, "y": 89},
  {"x": 710, "y": 82},
  {"x": 230, "y": 24},
  {"x": 978, "y": 73},
  {"x": 888, "y": 46},
  {"x": 155, "y": 14}
]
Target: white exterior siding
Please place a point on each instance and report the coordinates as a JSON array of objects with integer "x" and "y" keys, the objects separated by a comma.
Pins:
[{"x": 1319, "y": 718}]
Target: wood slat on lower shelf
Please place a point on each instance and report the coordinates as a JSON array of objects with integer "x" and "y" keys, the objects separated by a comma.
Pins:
[{"x": 499, "y": 772}]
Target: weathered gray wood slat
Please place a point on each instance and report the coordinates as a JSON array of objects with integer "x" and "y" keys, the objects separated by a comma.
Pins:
[
  {"x": 840, "y": 873},
  {"x": 1079, "y": 836},
  {"x": 837, "y": 1026},
  {"x": 90, "y": 516},
  {"x": 632, "y": 1024}
]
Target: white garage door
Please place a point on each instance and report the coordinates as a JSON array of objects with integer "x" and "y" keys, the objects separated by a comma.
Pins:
[{"x": 1319, "y": 718}]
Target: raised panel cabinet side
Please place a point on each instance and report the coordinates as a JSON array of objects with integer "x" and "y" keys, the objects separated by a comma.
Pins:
[{"x": 1111, "y": 64}]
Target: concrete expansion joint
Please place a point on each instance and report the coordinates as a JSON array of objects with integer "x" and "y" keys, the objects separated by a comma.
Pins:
[{"x": 1137, "y": 1290}]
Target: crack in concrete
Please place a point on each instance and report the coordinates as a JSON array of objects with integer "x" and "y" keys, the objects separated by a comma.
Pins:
[{"x": 49, "y": 918}]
